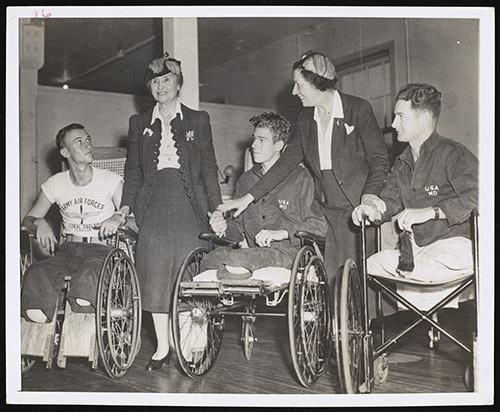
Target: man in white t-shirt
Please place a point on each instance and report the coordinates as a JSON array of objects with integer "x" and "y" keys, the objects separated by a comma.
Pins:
[{"x": 88, "y": 199}]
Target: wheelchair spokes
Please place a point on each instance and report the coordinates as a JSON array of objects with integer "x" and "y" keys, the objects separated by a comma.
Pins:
[
  {"x": 315, "y": 317},
  {"x": 198, "y": 323},
  {"x": 308, "y": 316},
  {"x": 118, "y": 313},
  {"x": 201, "y": 327}
]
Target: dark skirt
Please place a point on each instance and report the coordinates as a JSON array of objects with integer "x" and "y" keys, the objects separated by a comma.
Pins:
[
  {"x": 168, "y": 232},
  {"x": 343, "y": 239}
]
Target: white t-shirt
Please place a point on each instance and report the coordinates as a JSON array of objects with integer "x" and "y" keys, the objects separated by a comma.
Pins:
[{"x": 83, "y": 206}]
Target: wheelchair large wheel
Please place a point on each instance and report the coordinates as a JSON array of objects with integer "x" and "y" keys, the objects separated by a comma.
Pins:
[
  {"x": 336, "y": 329},
  {"x": 308, "y": 316},
  {"x": 27, "y": 362},
  {"x": 198, "y": 324},
  {"x": 118, "y": 316},
  {"x": 351, "y": 327}
]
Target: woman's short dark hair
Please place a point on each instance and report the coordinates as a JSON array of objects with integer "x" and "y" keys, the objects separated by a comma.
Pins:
[
  {"x": 321, "y": 64},
  {"x": 164, "y": 65},
  {"x": 278, "y": 125},
  {"x": 422, "y": 97},
  {"x": 61, "y": 134}
]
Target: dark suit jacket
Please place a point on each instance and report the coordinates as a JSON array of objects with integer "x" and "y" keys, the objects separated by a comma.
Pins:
[
  {"x": 359, "y": 158},
  {"x": 193, "y": 140}
]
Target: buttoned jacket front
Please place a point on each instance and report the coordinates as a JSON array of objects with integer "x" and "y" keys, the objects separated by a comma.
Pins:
[{"x": 193, "y": 140}]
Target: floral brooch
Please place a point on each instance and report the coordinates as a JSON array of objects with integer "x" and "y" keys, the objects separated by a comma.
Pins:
[{"x": 190, "y": 135}]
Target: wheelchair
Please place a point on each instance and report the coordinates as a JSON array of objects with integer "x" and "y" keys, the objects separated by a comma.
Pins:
[
  {"x": 113, "y": 331},
  {"x": 201, "y": 305},
  {"x": 362, "y": 364}
]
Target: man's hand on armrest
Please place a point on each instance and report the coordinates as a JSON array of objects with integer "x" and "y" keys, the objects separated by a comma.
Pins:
[
  {"x": 239, "y": 204},
  {"x": 110, "y": 226},
  {"x": 43, "y": 232},
  {"x": 409, "y": 217}
]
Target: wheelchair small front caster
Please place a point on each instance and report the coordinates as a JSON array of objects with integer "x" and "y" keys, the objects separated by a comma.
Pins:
[
  {"x": 469, "y": 377},
  {"x": 27, "y": 363},
  {"x": 381, "y": 369},
  {"x": 434, "y": 337},
  {"x": 248, "y": 337},
  {"x": 363, "y": 388}
]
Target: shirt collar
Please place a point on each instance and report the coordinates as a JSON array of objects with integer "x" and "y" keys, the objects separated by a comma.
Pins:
[
  {"x": 257, "y": 169},
  {"x": 427, "y": 146},
  {"x": 429, "y": 143},
  {"x": 337, "y": 108},
  {"x": 156, "y": 111}
]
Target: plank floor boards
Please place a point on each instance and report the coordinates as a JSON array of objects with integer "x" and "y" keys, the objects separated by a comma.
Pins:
[{"x": 414, "y": 368}]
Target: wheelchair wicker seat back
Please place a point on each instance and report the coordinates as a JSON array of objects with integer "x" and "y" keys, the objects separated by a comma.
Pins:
[{"x": 202, "y": 302}]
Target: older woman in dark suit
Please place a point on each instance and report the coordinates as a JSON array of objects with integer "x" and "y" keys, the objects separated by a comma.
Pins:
[
  {"x": 339, "y": 140},
  {"x": 170, "y": 185}
]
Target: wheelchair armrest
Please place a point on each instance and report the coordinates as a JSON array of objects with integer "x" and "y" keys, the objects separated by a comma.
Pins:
[
  {"x": 30, "y": 244},
  {"x": 27, "y": 231},
  {"x": 127, "y": 232},
  {"x": 222, "y": 241},
  {"x": 305, "y": 235},
  {"x": 26, "y": 237}
]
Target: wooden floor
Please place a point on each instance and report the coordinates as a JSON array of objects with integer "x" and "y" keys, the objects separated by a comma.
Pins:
[{"x": 414, "y": 368}]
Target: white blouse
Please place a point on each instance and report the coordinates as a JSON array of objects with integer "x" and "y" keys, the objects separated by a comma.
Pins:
[
  {"x": 168, "y": 153},
  {"x": 325, "y": 136}
]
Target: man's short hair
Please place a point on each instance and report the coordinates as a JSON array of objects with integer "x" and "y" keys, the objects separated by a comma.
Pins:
[
  {"x": 61, "y": 134},
  {"x": 422, "y": 97},
  {"x": 278, "y": 125}
]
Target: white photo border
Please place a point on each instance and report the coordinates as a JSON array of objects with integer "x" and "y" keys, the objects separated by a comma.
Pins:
[{"x": 486, "y": 155}]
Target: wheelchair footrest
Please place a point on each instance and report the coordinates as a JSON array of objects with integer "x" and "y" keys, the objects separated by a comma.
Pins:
[
  {"x": 36, "y": 338},
  {"x": 78, "y": 336}
]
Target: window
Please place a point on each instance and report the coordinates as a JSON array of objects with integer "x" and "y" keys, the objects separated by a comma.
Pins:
[{"x": 371, "y": 78}]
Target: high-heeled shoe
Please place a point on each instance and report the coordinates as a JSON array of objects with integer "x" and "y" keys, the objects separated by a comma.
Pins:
[{"x": 155, "y": 364}]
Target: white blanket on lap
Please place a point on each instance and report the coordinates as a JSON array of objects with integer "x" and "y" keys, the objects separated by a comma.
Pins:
[{"x": 276, "y": 275}]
